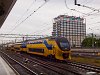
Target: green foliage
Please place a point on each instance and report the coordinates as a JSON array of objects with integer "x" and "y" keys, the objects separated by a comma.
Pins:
[
  {"x": 98, "y": 43},
  {"x": 89, "y": 41}
]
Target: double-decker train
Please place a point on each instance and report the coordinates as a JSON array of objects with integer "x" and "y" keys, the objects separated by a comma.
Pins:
[{"x": 54, "y": 47}]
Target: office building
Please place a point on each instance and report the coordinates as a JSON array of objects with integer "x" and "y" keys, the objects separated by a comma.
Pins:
[{"x": 71, "y": 27}]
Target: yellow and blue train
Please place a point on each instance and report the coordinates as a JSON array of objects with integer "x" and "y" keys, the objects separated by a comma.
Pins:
[{"x": 56, "y": 47}]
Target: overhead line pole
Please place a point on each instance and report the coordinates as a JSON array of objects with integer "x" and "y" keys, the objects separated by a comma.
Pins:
[{"x": 76, "y": 3}]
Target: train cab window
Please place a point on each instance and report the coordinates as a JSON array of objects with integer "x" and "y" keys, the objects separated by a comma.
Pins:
[{"x": 63, "y": 43}]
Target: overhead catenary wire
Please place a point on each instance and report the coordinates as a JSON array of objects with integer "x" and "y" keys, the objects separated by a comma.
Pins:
[
  {"x": 23, "y": 15},
  {"x": 29, "y": 16},
  {"x": 90, "y": 13},
  {"x": 91, "y": 8},
  {"x": 94, "y": 17},
  {"x": 93, "y": 13},
  {"x": 42, "y": 30},
  {"x": 72, "y": 9},
  {"x": 75, "y": 9},
  {"x": 86, "y": 1},
  {"x": 23, "y": 35},
  {"x": 94, "y": 23},
  {"x": 43, "y": 26},
  {"x": 84, "y": 14},
  {"x": 17, "y": 36},
  {"x": 94, "y": 9},
  {"x": 25, "y": 12}
]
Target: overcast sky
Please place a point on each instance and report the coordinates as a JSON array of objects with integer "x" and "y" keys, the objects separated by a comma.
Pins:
[{"x": 41, "y": 22}]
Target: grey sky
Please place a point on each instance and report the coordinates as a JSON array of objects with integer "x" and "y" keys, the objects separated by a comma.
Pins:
[{"x": 41, "y": 22}]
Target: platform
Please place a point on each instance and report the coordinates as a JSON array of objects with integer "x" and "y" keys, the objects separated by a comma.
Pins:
[{"x": 5, "y": 69}]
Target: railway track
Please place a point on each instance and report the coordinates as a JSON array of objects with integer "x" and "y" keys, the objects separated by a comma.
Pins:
[
  {"x": 17, "y": 65},
  {"x": 75, "y": 67},
  {"x": 51, "y": 66},
  {"x": 70, "y": 68},
  {"x": 87, "y": 56},
  {"x": 86, "y": 67}
]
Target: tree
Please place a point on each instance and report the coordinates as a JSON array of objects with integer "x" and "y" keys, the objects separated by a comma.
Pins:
[
  {"x": 98, "y": 43},
  {"x": 89, "y": 42}
]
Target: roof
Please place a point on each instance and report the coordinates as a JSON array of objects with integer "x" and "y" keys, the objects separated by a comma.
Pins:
[{"x": 5, "y": 8}]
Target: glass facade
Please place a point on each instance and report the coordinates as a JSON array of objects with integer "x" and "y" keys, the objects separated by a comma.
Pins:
[{"x": 71, "y": 27}]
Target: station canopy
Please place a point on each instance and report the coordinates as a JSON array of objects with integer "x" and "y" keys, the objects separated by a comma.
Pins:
[{"x": 5, "y": 8}]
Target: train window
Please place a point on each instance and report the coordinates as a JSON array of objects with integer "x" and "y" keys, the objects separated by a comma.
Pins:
[
  {"x": 52, "y": 38},
  {"x": 23, "y": 46},
  {"x": 35, "y": 42},
  {"x": 36, "y": 50},
  {"x": 64, "y": 45}
]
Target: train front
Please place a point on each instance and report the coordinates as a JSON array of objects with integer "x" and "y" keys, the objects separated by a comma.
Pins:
[{"x": 64, "y": 49}]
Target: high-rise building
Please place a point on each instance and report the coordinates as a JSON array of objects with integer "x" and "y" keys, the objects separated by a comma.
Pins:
[{"x": 71, "y": 27}]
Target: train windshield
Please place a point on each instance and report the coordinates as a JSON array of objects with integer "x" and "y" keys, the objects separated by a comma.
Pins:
[{"x": 63, "y": 44}]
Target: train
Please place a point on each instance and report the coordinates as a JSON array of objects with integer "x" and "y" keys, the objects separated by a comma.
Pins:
[{"x": 53, "y": 47}]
